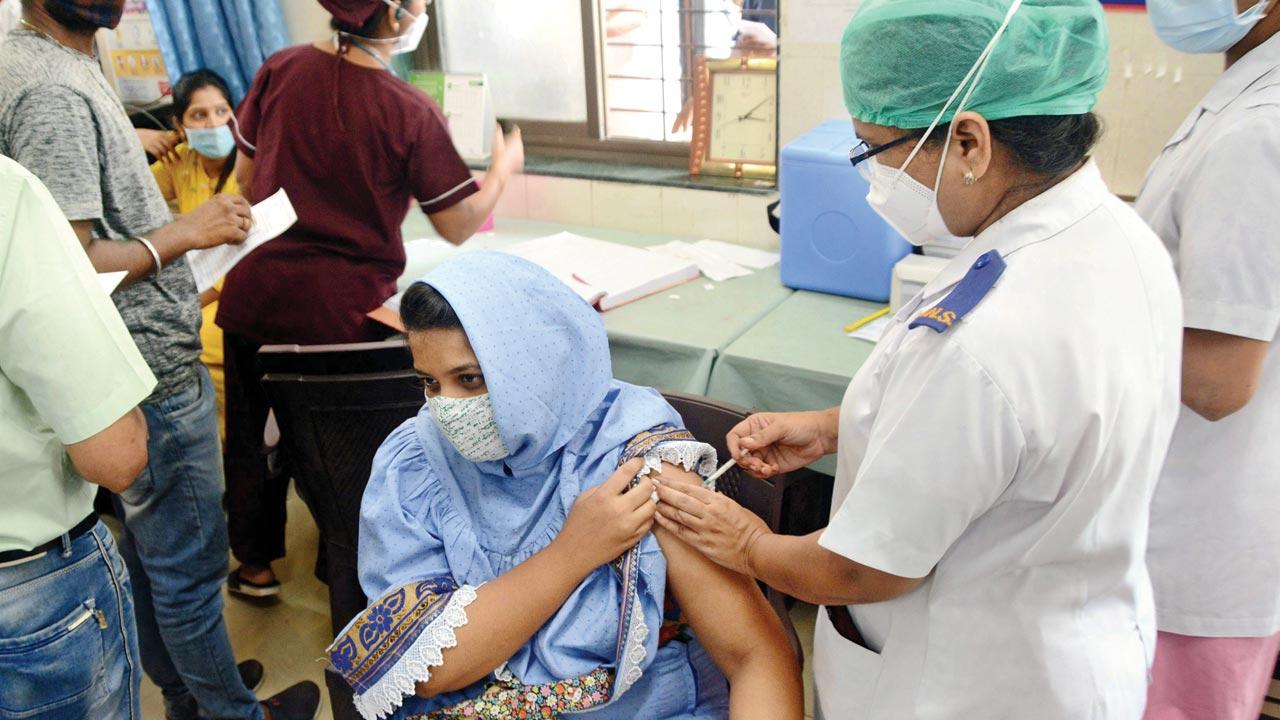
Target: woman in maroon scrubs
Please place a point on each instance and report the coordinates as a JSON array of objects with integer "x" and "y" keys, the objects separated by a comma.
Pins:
[{"x": 352, "y": 145}]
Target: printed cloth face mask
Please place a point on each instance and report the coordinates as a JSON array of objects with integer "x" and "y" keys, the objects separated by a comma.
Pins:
[
  {"x": 214, "y": 143},
  {"x": 468, "y": 424},
  {"x": 907, "y": 205},
  {"x": 1202, "y": 26}
]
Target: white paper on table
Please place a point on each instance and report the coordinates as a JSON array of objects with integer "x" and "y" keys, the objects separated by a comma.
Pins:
[
  {"x": 872, "y": 331},
  {"x": 111, "y": 280},
  {"x": 270, "y": 218},
  {"x": 744, "y": 256},
  {"x": 711, "y": 264}
]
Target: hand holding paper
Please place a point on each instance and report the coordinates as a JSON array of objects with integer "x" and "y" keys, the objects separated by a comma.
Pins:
[
  {"x": 222, "y": 220},
  {"x": 270, "y": 218}
]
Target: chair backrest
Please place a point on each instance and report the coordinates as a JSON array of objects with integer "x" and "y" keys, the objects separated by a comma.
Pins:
[
  {"x": 332, "y": 424},
  {"x": 344, "y": 359},
  {"x": 331, "y": 427},
  {"x": 710, "y": 421}
]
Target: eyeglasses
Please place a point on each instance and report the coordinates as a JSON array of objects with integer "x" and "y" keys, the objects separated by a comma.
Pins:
[{"x": 860, "y": 153}]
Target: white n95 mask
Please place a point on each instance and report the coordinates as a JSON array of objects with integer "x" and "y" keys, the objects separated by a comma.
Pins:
[
  {"x": 468, "y": 424},
  {"x": 901, "y": 201},
  {"x": 910, "y": 207}
]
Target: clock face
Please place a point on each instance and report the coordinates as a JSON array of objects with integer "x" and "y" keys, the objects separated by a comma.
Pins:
[{"x": 744, "y": 111}]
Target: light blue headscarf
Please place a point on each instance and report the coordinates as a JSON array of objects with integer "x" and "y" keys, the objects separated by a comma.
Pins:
[{"x": 430, "y": 513}]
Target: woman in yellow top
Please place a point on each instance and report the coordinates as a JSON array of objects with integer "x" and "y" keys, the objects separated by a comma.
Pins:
[{"x": 196, "y": 170}]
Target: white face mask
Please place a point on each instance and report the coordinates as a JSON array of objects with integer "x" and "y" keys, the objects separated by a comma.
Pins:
[
  {"x": 408, "y": 41},
  {"x": 469, "y": 425},
  {"x": 901, "y": 201},
  {"x": 908, "y": 206}
]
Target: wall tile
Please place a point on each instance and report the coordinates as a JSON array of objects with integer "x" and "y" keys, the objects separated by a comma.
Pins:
[
  {"x": 700, "y": 214},
  {"x": 555, "y": 199},
  {"x": 753, "y": 226},
  {"x": 626, "y": 206}
]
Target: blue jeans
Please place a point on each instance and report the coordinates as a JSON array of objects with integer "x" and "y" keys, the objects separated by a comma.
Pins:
[
  {"x": 175, "y": 543},
  {"x": 68, "y": 649}
]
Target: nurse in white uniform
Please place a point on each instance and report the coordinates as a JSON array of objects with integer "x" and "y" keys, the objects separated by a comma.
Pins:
[
  {"x": 998, "y": 451},
  {"x": 1215, "y": 524}
]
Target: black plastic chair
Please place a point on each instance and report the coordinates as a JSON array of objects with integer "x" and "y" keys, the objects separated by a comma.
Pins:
[
  {"x": 331, "y": 426},
  {"x": 710, "y": 421},
  {"x": 344, "y": 359}
]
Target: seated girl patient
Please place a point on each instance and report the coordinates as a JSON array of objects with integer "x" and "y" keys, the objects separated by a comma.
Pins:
[{"x": 507, "y": 538}]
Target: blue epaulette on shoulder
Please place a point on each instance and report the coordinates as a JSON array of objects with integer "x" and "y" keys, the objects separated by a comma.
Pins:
[{"x": 974, "y": 286}]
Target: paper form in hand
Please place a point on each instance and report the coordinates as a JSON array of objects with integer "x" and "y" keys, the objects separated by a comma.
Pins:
[
  {"x": 111, "y": 280},
  {"x": 270, "y": 218}
]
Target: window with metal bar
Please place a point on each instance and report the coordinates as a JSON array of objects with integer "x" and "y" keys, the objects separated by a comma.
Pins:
[
  {"x": 597, "y": 77},
  {"x": 648, "y": 56}
]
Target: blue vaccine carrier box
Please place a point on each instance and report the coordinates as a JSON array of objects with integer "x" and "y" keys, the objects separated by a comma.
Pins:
[{"x": 832, "y": 241}]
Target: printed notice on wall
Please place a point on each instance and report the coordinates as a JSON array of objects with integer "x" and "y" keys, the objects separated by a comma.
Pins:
[{"x": 130, "y": 56}]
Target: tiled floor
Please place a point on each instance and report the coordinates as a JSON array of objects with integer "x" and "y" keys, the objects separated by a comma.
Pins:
[
  {"x": 289, "y": 634},
  {"x": 1271, "y": 708}
]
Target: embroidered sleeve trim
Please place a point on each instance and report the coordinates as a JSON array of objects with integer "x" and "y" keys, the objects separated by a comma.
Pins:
[
  {"x": 693, "y": 456},
  {"x": 414, "y": 666}
]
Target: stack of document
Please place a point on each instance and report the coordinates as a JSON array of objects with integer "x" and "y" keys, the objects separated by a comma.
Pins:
[
  {"x": 605, "y": 274},
  {"x": 719, "y": 261},
  {"x": 270, "y": 218}
]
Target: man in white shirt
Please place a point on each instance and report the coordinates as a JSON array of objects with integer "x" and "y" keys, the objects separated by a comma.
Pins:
[{"x": 1214, "y": 552}]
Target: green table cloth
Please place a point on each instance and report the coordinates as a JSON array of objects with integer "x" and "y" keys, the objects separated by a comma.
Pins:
[
  {"x": 795, "y": 358},
  {"x": 669, "y": 340}
]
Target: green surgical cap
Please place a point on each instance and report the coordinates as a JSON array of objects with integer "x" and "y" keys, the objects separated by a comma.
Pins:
[{"x": 900, "y": 60}]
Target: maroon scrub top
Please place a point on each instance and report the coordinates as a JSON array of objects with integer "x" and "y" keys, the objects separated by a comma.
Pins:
[{"x": 352, "y": 146}]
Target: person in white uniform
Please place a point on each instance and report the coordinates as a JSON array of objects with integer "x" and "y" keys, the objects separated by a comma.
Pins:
[
  {"x": 1214, "y": 553},
  {"x": 998, "y": 451}
]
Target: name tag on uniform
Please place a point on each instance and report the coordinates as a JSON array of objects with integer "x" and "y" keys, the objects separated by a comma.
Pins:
[{"x": 974, "y": 286}]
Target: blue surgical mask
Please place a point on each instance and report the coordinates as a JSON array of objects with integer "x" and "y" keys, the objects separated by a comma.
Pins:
[
  {"x": 214, "y": 143},
  {"x": 1202, "y": 26}
]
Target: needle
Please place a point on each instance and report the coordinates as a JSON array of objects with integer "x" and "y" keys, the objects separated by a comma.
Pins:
[{"x": 720, "y": 471}]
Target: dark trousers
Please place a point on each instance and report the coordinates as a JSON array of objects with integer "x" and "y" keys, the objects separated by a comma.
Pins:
[{"x": 255, "y": 494}]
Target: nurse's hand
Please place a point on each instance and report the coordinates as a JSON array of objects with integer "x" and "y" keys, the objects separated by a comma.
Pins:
[
  {"x": 716, "y": 526},
  {"x": 767, "y": 444},
  {"x": 508, "y": 151}
]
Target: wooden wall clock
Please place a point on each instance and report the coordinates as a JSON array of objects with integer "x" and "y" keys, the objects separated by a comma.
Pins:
[{"x": 735, "y": 118}]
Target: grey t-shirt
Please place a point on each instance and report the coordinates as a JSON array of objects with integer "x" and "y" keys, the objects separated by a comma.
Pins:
[{"x": 61, "y": 120}]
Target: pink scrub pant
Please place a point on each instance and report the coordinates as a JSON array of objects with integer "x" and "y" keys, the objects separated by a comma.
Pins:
[{"x": 1210, "y": 678}]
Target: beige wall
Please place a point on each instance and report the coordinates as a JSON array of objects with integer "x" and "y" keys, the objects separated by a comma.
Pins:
[{"x": 306, "y": 20}]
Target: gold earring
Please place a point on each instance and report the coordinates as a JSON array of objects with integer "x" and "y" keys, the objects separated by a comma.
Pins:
[{"x": 969, "y": 179}]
